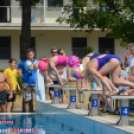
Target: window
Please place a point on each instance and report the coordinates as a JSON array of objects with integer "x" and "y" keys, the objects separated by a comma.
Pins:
[
  {"x": 106, "y": 44},
  {"x": 78, "y": 46},
  {"x": 33, "y": 46},
  {"x": 5, "y": 48},
  {"x": 21, "y": 3},
  {"x": 55, "y": 3},
  {"x": 5, "y": 12}
]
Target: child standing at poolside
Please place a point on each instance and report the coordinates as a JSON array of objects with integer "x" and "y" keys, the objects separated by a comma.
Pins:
[{"x": 12, "y": 73}]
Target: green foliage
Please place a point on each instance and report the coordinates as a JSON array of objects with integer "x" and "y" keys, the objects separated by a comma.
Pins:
[
  {"x": 89, "y": 49},
  {"x": 117, "y": 18}
]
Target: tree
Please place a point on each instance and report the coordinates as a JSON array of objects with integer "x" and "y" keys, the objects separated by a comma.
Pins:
[
  {"x": 115, "y": 17},
  {"x": 25, "y": 37}
]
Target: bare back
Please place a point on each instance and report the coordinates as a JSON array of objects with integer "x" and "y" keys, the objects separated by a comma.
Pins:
[{"x": 2, "y": 81}]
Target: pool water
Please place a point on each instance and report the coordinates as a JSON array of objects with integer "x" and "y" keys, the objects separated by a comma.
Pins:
[{"x": 32, "y": 124}]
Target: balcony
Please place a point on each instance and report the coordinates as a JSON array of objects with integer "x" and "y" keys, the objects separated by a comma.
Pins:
[{"x": 39, "y": 15}]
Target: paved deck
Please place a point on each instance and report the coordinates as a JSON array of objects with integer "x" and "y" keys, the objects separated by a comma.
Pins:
[{"x": 105, "y": 118}]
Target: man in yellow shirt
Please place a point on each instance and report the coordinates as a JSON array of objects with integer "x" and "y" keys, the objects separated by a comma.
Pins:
[{"x": 12, "y": 73}]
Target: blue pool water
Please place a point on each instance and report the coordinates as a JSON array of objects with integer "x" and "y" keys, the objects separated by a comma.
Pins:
[{"x": 36, "y": 124}]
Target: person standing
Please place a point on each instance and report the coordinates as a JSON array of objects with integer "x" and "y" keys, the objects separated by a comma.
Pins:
[
  {"x": 129, "y": 59},
  {"x": 39, "y": 86},
  {"x": 54, "y": 52},
  {"x": 12, "y": 73},
  {"x": 28, "y": 79},
  {"x": 3, "y": 80}
]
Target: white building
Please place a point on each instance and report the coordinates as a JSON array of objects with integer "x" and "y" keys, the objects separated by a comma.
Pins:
[{"x": 47, "y": 33}]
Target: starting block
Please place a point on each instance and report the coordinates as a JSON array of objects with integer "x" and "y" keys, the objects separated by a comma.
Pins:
[
  {"x": 72, "y": 104},
  {"x": 94, "y": 101},
  {"x": 124, "y": 109}
]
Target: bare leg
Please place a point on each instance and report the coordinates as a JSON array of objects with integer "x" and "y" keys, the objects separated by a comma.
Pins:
[
  {"x": 118, "y": 81},
  {"x": 52, "y": 95},
  {"x": 85, "y": 80},
  {"x": 64, "y": 81},
  {"x": 9, "y": 107},
  {"x": 3, "y": 108},
  {"x": 56, "y": 74},
  {"x": 12, "y": 106},
  {"x": 26, "y": 106}
]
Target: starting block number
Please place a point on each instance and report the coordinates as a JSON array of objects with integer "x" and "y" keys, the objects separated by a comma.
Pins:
[
  {"x": 72, "y": 98},
  {"x": 94, "y": 103},
  {"x": 56, "y": 93},
  {"x": 125, "y": 111}
]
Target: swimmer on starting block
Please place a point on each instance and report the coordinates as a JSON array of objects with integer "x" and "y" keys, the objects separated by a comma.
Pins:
[{"x": 56, "y": 63}]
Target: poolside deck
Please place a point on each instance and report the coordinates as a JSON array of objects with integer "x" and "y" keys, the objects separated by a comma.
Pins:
[{"x": 106, "y": 119}]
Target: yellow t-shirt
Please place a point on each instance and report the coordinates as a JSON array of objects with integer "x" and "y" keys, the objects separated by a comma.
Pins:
[{"x": 12, "y": 75}]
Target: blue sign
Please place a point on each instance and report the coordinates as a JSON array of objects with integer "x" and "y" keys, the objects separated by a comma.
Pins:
[
  {"x": 94, "y": 103},
  {"x": 56, "y": 94},
  {"x": 72, "y": 98},
  {"x": 125, "y": 111}
]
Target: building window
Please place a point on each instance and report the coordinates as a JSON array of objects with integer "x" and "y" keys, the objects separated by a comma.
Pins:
[
  {"x": 55, "y": 3},
  {"x": 78, "y": 46},
  {"x": 33, "y": 45},
  {"x": 106, "y": 44},
  {"x": 5, "y": 48},
  {"x": 21, "y": 3}
]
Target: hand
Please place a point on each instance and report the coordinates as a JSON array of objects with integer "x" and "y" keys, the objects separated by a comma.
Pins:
[
  {"x": 19, "y": 88},
  {"x": 127, "y": 56},
  {"x": 10, "y": 96}
]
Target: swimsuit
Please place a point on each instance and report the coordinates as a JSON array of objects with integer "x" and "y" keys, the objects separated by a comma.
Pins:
[
  {"x": 93, "y": 56},
  {"x": 103, "y": 60},
  {"x": 61, "y": 60}
]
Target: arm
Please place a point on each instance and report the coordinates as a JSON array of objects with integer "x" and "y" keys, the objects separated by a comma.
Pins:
[
  {"x": 10, "y": 86},
  {"x": 48, "y": 81},
  {"x": 56, "y": 74},
  {"x": 18, "y": 86},
  {"x": 61, "y": 71},
  {"x": 19, "y": 73},
  {"x": 69, "y": 76},
  {"x": 125, "y": 63},
  {"x": 34, "y": 66},
  {"x": 78, "y": 81}
]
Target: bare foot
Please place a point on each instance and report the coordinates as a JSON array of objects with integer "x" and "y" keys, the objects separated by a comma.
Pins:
[
  {"x": 85, "y": 88},
  {"x": 115, "y": 92},
  {"x": 60, "y": 86},
  {"x": 97, "y": 88},
  {"x": 64, "y": 81},
  {"x": 104, "y": 92}
]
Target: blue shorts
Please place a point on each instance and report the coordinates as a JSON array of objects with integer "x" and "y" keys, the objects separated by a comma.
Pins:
[{"x": 94, "y": 85}]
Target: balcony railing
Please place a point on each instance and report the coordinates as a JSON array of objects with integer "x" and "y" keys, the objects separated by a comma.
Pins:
[{"x": 39, "y": 14}]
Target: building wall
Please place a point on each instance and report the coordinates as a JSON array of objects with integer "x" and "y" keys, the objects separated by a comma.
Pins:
[{"x": 61, "y": 39}]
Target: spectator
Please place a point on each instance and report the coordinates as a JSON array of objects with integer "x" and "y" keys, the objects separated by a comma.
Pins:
[
  {"x": 12, "y": 73},
  {"x": 28, "y": 79},
  {"x": 54, "y": 52},
  {"x": 3, "y": 80},
  {"x": 129, "y": 59}
]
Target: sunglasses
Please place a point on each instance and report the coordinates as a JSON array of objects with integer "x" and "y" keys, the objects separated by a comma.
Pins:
[{"x": 53, "y": 52}]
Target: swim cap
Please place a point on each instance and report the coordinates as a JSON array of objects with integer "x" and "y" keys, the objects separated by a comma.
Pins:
[
  {"x": 42, "y": 65},
  {"x": 28, "y": 64},
  {"x": 46, "y": 60},
  {"x": 73, "y": 60},
  {"x": 77, "y": 70}
]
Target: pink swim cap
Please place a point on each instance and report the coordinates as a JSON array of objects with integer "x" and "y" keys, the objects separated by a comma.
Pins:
[
  {"x": 73, "y": 60},
  {"x": 42, "y": 66}
]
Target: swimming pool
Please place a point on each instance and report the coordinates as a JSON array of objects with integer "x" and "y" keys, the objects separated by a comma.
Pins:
[
  {"x": 36, "y": 124},
  {"x": 80, "y": 123}
]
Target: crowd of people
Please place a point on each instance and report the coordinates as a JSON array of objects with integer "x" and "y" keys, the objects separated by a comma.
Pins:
[{"x": 57, "y": 70}]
